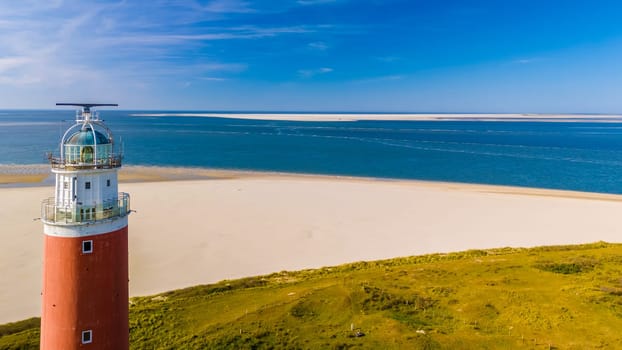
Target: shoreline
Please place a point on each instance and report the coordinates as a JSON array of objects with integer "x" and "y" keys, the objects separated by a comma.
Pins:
[
  {"x": 214, "y": 225},
  {"x": 38, "y": 175}
]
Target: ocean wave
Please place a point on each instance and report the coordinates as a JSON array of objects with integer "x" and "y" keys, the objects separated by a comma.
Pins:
[
  {"x": 347, "y": 129},
  {"x": 508, "y": 155},
  {"x": 539, "y": 152},
  {"x": 595, "y": 127},
  {"x": 410, "y": 141},
  {"x": 217, "y": 132},
  {"x": 10, "y": 124},
  {"x": 600, "y": 133}
]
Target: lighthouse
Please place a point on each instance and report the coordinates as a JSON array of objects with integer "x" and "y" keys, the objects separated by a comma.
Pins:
[{"x": 85, "y": 261}]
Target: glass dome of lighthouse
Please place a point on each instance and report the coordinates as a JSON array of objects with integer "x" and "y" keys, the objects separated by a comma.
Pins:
[
  {"x": 88, "y": 143},
  {"x": 87, "y": 146},
  {"x": 87, "y": 137}
]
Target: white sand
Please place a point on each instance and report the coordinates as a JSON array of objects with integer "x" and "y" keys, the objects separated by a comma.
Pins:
[
  {"x": 192, "y": 232},
  {"x": 345, "y": 117}
]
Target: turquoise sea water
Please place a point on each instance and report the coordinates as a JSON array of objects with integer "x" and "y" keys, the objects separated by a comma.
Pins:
[{"x": 584, "y": 156}]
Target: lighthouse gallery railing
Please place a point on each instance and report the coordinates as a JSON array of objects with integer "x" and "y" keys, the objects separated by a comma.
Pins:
[
  {"x": 77, "y": 214},
  {"x": 113, "y": 161}
]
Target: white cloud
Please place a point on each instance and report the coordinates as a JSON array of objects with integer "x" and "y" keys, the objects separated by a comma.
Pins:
[
  {"x": 314, "y": 2},
  {"x": 19, "y": 80},
  {"x": 246, "y": 32},
  {"x": 73, "y": 48},
  {"x": 64, "y": 43},
  {"x": 45, "y": 49},
  {"x": 388, "y": 59},
  {"x": 106, "y": 24},
  {"x": 308, "y": 73},
  {"x": 71, "y": 25},
  {"x": 27, "y": 7},
  {"x": 228, "y": 6},
  {"x": 222, "y": 67},
  {"x": 155, "y": 70},
  {"x": 212, "y": 79},
  {"x": 525, "y": 60},
  {"x": 318, "y": 45},
  {"x": 380, "y": 78},
  {"x": 271, "y": 31},
  {"x": 9, "y": 63}
]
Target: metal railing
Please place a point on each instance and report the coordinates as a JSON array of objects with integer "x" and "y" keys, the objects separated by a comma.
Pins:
[
  {"x": 113, "y": 161},
  {"x": 79, "y": 214}
]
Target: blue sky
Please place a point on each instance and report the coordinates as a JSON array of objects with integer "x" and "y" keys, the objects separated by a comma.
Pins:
[{"x": 524, "y": 56}]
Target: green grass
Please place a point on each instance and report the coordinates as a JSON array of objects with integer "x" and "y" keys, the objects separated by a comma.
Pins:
[
  {"x": 562, "y": 297},
  {"x": 20, "y": 335}
]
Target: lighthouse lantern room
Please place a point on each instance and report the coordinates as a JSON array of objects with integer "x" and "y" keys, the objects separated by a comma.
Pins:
[{"x": 85, "y": 266}]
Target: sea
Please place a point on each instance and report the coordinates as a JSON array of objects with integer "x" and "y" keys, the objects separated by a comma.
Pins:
[{"x": 582, "y": 155}]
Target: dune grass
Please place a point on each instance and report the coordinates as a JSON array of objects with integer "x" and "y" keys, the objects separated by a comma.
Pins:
[{"x": 562, "y": 297}]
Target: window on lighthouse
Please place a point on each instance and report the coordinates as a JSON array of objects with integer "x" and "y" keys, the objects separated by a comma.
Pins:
[
  {"x": 87, "y": 336},
  {"x": 87, "y": 246}
]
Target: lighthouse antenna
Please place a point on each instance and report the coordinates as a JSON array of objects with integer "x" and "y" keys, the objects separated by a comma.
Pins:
[
  {"x": 85, "y": 116},
  {"x": 86, "y": 120},
  {"x": 86, "y": 107}
]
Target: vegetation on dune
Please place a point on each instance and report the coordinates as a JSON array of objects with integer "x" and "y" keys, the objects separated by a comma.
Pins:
[
  {"x": 20, "y": 335},
  {"x": 564, "y": 297}
]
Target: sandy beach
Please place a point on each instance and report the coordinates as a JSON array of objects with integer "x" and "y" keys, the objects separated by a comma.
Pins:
[{"x": 202, "y": 226}]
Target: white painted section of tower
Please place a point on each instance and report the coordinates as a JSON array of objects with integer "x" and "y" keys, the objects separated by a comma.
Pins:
[
  {"x": 71, "y": 187},
  {"x": 86, "y": 229},
  {"x": 86, "y": 200}
]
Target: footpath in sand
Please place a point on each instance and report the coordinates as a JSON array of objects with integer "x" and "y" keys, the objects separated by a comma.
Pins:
[{"x": 232, "y": 225}]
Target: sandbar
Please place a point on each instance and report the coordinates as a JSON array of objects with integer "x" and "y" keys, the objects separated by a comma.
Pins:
[{"x": 350, "y": 117}]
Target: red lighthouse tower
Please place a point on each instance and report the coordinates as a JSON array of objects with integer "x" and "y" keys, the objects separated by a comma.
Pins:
[{"x": 85, "y": 265}]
